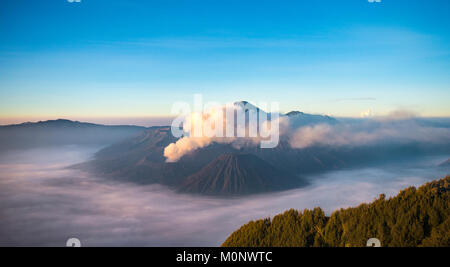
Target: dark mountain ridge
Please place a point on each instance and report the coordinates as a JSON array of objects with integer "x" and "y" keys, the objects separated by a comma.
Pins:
[{"x": 62, "y": 132}]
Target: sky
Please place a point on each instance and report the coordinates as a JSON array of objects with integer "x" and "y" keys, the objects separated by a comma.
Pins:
[{"x": 129, "y": 60}]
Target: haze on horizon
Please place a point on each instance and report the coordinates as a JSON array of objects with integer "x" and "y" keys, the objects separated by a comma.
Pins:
[{"x": 124, "y": 62}]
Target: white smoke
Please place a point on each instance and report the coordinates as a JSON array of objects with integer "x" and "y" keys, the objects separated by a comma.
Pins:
[
  {"x": 238, "y": 124},
  {"x": 175, "y": 151}
]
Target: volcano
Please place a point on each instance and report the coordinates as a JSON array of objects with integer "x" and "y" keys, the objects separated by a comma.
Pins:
[{"x": 237, "y": 174}]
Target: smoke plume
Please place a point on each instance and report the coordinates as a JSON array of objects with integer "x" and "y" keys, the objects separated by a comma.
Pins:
[{"x": 237, "y": 124}]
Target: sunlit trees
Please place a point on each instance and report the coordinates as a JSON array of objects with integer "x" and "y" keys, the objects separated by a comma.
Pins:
[{"x": 415, "y": 217}]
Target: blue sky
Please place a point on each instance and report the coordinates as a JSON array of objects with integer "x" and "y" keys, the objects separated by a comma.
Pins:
[{"x": 129, "y": 58}]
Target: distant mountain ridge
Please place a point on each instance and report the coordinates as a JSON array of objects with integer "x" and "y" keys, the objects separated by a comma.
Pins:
[
  {"x": 62, "y": 132},
  {"x": 63, "y": 123},
  {"x": 298, "y": 118}
]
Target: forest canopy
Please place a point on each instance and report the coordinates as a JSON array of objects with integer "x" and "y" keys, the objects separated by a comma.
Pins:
[{"x": 415, "y": 217}]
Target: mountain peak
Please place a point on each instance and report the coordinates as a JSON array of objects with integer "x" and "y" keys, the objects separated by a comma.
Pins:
[
  {"x": 243, "y": 102},
  {"x": 60, "y": 121},
  {"x": 294, "y": 113},
  {"x": 246, "y": 105}
]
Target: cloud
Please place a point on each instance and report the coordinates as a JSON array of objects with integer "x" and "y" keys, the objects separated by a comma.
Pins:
[
  {"x": 43, "y": 204},
  {"x": 396, "y": 128},
  {"x": 174, "y": 151}
]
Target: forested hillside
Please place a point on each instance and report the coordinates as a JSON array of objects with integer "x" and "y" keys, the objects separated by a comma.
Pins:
[{"x": 415, "y": 217}]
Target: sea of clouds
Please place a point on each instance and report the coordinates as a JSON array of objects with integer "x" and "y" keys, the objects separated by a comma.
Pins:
[{"x": 42, "y": 203}]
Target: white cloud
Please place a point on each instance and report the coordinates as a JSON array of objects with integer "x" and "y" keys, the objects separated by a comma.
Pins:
[{"x": 393, "y": 129}]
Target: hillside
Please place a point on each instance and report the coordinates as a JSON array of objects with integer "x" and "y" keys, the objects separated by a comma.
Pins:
[
  {"x": 137, "y": 159},
  {"x": 415, "y": 217},
  {"x": 237, "y": 174}
]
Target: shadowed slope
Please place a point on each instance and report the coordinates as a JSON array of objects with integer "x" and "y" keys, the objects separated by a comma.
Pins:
[{"x": 237, "y": 174}]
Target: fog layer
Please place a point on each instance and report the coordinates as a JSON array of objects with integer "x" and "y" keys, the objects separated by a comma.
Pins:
[{"x": 43, "y": 204}]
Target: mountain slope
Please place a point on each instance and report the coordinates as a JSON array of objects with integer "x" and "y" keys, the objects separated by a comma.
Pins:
[
  {"x": 237, "y": 174},
  {"x": 415, "y": 217},
  {"x": 137, "y": 159}
]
